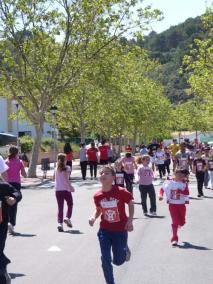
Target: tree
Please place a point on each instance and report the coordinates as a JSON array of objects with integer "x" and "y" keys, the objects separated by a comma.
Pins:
[
  {"x": 45, "y": 46},
  {"x": 199, "y": 64}
]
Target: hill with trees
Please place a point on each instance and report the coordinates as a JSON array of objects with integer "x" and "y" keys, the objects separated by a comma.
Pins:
[{"x": 169, "y": 48}]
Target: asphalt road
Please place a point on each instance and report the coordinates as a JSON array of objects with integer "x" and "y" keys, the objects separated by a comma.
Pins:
[{"x": 42, "y": 255}]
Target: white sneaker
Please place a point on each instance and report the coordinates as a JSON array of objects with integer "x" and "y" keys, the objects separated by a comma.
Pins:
[
  {"x": 68, "y": 222},
  {"x": 60, "y": 227},
  {"x": 174, "y": 243},
  {"x": 10, "y": 229}
]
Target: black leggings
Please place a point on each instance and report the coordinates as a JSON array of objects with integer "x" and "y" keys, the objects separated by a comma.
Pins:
[
  {"x": 200, "y": 182},
  {"x": 13, "y": 209},
  {"x": 93, "y": 168},
  {"x": 162, "y": 171}
]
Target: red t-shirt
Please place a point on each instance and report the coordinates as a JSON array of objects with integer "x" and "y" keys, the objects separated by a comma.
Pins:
[
  {"x": 92, "y": 154},
  {"x": 103, "y": 152},
  {"x": 112, "y": 204}
]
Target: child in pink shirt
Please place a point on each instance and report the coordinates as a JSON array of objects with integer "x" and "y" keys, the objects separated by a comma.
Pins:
[
  {"x": 129, "y": 165},
  {"x": 63, "y": 190},
  {"x": 145, "y": 178},
  {"x": 16, "y": 169}
]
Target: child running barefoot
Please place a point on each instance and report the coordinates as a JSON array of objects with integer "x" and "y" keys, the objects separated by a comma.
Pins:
[
  {"x": 110, "y": 204},
  {"x": 63, "y": 190},
  {"x": 145, "y": 179},
  {"x": 177, "y": 194}
]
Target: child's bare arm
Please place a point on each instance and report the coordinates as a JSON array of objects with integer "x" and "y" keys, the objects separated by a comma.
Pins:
[
  {"x": 129, "y": 225},
  {"x": 23, "y": 172},
  {"x": 95, "y": 216}
]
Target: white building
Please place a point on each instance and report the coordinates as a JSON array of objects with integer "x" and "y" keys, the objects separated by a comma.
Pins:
[{"x": 11, "y": 126}]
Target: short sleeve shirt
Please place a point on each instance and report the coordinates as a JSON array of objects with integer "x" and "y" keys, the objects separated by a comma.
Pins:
[
  {"x": 92, "y": 154},
  {"x": 112, "y": 205},
  {"x": 3, "y": 166},
  {"x": 13, "y": 173}
]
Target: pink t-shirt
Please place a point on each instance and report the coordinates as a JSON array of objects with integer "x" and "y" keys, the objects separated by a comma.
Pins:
[
  {"x": 61, "y": 180},
  {"x": 128, "y": 165},
  {"x": 13, "y": 173},
  {"x": 145, "y": 175}
]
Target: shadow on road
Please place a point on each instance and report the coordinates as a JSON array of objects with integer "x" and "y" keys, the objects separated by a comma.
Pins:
[
  {"x": 74, "y": 232},
  {"x": 16, "y": 275},
  {"x": 194, "y": 198},
  {"x": 23, "y": 235},
  {"x": 187, "y": 245},
  {"x": 155, "y": 216},
  {"x": 208, "y": 197},
  {"x": 137, "y": 203}
]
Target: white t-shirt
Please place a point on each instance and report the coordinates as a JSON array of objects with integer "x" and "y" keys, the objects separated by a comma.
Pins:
[
  {"x": 159, "y": 158},
  {"x": 3, "y": 166}
]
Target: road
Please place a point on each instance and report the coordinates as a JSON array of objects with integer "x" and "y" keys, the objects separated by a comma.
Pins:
[{"x": 42, "y": 255}]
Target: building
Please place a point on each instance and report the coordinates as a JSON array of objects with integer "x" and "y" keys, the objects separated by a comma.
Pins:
[{"x": 13, "y": 126}]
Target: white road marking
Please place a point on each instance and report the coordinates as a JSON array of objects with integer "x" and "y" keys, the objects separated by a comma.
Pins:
[{"x": 54, "y": 249}]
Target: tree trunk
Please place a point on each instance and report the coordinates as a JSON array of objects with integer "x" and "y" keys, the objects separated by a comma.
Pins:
[
  {"x": 82, "y": 130},
  {"x": 134, "y": 139},
  {"x": 35, "y": 152}
]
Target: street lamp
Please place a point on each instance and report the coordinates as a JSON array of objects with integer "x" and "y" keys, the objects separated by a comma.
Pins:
[
  {"x": 16, "y": 104},
  {"x": 53, "y": 110}
]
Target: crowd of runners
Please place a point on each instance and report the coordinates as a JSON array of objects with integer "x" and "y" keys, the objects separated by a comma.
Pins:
[{"x": 171, "y": 164}]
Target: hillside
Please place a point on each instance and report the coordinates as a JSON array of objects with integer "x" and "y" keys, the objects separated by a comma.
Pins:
[{"x": 169, "y": 47}]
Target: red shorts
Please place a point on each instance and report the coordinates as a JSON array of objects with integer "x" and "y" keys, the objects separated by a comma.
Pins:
[{"x": 178, "y": 214}]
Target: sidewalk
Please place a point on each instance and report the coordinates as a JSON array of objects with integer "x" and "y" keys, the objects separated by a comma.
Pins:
[{"x": 40, "y": 180}]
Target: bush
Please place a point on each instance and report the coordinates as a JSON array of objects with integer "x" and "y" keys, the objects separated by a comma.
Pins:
[
  {"x": 47, "y": 144},
  {"x": 26, "y": 143}
]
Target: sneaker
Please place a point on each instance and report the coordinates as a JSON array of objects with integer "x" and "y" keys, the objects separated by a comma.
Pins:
[
  {"x": 145, "y": 214},
  {"x": 174, "y": 243},
  {"x": 199, "y": 195},
  {"x": 153, "y": 213},
  {"x": 128, "y": 254},
  {"x": 10, "y": 229},
  {"x": 68, "y": 222},
  {"x": 60, "y": 228},
  {"x": 91, "y": 178}
]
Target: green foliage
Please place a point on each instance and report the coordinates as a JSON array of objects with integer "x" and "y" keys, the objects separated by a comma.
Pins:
[
  {"x": 169, "y": 47},
  {"x": 26, "y": 143},
  {"x": 46, "y": 46}
]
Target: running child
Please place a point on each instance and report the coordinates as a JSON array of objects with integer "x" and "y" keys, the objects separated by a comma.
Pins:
[
  {"x": 63, "y": 190},
  {"x": 110, "y": 203},
  {"x": 14, "y": 173},
  {"x": 177, "y": 195},
  {"x": 119, "y": 173},
  {"x": 129, "y": 167},
  {"x": 159, "y": 158},
  {"x": 8, "y": 197},
  {"x": 199, "y": 168},
  {"x": 210, "y": 169},
  {"x": 145, "y": 177}
]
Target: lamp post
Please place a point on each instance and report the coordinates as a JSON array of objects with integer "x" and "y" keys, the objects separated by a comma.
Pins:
[
  {"x": 16, "y": 104},
  {"x": 53, "y": 110}
]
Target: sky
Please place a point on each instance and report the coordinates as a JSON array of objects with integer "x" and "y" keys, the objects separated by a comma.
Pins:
[{"x": 177, "y": 11}]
